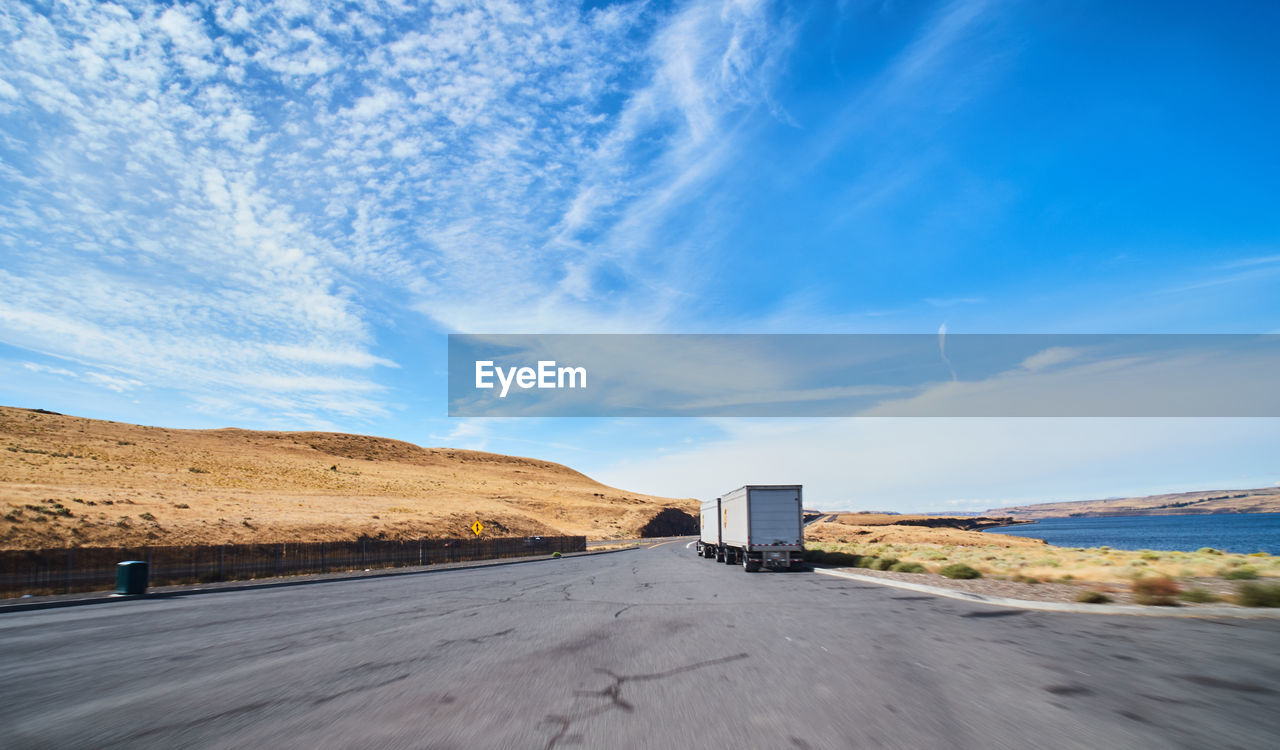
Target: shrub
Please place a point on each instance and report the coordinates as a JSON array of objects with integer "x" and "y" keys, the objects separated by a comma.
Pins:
[
  {"x": 883, "y": 563},
  {"x": 1149, "y": 555},
  {"x": 181, "y": 506},
  {"x": 833, "y": 558},
  {"x": 1019, "y": 578},
  {"x": 1242, "y": 573},
  {"x": 146, "y": 516},
  {"x": 195, "y": 470},
  {"x": 1198, "y": 596},
  {"x": 1092, "y": 597},
  {"x": 1155, "y": 591},
  {"x": 556, "y": 554},
  {"x": 1209, "y": 551},
  {"x": 908, "y": 567},
  {"x": 960, "y": 570},
  {"x": 1259, "y": 595}
]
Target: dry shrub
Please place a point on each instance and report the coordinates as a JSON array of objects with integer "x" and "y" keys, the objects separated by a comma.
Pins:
[{"x": 1156, "y": 591}]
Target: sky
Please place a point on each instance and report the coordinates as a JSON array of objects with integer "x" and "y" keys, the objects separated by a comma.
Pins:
[{"x": 270, "y": 215}]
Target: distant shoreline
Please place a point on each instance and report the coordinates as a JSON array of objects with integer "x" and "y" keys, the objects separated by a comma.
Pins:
[{"x": 1139, "y": 512}]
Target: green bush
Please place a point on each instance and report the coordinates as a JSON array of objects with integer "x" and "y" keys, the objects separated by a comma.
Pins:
[
  {"x": 883, "y": 563},
  {"x": 1019, "y": 578},
  {"x": 1198, "y": 596},
  {"x": 556, "y": 554},
  {"x": 833, "y": 558},
  {"x": 1259, "y": 595},
  {"x": 1092, "y": 597},
  {"x": 1156, "y": 591},
  {"x": 908, "y": 567},
  {"x": 1242, "y": 573},
  {"x": 960, "y": 570}
]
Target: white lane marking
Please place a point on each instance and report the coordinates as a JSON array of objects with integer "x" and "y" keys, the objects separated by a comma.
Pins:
[{"x": 690, "y": 544}]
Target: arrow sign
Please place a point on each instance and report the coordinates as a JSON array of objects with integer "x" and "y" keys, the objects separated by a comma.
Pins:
[{"x": 477, "y": 527}]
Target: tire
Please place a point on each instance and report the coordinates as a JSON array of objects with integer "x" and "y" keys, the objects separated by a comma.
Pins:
[{"x": 748, "y": 566}]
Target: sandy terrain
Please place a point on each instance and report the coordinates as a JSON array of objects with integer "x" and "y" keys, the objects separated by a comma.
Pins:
[
  {"x": 68, "y": 480},
  {"x": 887, "y": 533}
]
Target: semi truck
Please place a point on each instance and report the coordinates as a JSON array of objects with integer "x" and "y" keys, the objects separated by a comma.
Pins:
[{"x": 758, "y": 525}]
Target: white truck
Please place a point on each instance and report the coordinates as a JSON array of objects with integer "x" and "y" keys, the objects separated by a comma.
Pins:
[{"x": 759, "y": 525}]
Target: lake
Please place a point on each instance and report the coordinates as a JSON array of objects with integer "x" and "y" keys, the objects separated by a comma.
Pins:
[{"x": 1237, "y": 532}]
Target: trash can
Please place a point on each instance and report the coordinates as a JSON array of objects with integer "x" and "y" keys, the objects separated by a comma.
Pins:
[{"x": 132, "y": 577}]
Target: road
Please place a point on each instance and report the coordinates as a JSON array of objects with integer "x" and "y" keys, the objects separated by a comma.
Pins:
[{"x": 652, "y": 647}]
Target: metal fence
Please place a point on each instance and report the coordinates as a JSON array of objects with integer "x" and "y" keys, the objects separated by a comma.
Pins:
[{"x": 55, "y": 571}]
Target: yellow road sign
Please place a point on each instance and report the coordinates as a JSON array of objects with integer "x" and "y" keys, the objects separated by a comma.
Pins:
[{"x": 477, "y": 527}]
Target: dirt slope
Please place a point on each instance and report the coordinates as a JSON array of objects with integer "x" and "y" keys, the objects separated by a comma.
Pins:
[
  {"x": 1262, "y": 500},
  {"x": 70, "y": 480}
]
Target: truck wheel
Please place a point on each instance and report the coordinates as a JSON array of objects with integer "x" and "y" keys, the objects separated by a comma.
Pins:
[
  {"x": 749, "y": 566},
  {"x": 719, "y": 555}
]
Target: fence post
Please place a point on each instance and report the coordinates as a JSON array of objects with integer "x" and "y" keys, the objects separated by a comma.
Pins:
[
  {"x": 279, "y": 554},
  {"x": 323, "y": 569},
  {"x": 422, "y": 546},
  {"x": 67, "y": 583},
  {"x": 362, "y": 544},
  {"x": 222, "y": 562}
]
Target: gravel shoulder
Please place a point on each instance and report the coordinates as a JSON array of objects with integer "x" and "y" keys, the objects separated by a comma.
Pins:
[{"x": 1050, "y": 592}]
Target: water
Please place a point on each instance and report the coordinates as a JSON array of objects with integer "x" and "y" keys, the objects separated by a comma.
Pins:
[{"x": 1237, "y": 532}]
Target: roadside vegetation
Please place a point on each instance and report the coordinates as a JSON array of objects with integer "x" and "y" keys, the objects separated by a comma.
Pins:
[{"x": 1153, "y": 577}]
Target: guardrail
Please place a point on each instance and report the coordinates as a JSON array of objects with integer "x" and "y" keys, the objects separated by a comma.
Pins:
[{"x": 55, "y": 571}]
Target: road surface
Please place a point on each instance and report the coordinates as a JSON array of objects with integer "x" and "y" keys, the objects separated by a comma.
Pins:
[{"x": 652, "y": 647}]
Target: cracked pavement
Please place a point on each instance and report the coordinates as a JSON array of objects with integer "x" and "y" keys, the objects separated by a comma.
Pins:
[{"x": 653, "y": 647}]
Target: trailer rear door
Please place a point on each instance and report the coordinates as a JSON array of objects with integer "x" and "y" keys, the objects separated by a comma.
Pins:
[{"x": 775, "y": 517}]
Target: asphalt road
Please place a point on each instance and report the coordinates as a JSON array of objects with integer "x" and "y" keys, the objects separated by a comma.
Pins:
[{"x": 652, "y": 647}]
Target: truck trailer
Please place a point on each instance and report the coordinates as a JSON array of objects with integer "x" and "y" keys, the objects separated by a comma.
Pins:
[{"x": 759, "y": 525}]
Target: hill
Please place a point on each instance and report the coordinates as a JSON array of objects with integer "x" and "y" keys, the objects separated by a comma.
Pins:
[
  {"x": 73, "y": 481},
  {"x": 1262, "y": 500},
  {"x": 879, "y": 528}
]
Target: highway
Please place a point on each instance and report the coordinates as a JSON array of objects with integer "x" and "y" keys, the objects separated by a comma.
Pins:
[{"x": 651, "y": 647}]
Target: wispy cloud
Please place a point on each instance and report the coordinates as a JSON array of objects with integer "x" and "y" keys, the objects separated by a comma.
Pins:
[{"x": 232, "y": 202}]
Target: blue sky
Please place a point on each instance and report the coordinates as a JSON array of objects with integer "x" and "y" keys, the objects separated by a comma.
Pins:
[{"x": 260, "y": 215}]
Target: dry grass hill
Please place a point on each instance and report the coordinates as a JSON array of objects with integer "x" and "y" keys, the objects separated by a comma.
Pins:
[
  {"x": 84, "y": 482},
  {"x": 1263, "y": 500}
]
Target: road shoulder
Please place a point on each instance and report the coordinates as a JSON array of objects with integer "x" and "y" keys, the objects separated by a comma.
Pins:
[{"x": 1092, "y": 609}]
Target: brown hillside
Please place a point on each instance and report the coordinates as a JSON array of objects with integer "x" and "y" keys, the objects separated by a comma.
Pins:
[
  {"x": 1262, "y": 500},
  {"x": 848, "y": 529},
  {"x": 69, "y": 480}
]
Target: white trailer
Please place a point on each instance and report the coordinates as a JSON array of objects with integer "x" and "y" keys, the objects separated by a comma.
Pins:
[{"x": 759, "y": 525}]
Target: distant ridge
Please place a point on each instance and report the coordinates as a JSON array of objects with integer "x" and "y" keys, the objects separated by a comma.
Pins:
[{"x": 1204, "y": 502}]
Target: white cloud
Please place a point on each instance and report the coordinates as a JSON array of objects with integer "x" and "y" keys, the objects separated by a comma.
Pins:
[
  {"x": 236, "y": 201},
  {"x": 112, "y": 382},
  {"x": 33, "y": 367},
  {"x": 924, "y": 463},
  {"x": 1049, "y": 357}
]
